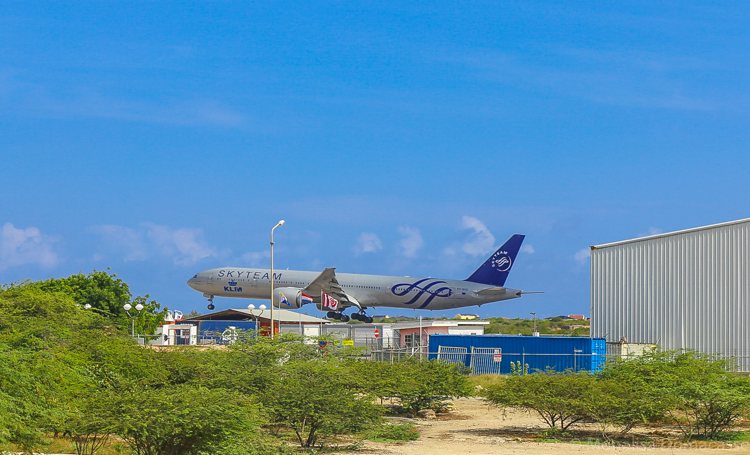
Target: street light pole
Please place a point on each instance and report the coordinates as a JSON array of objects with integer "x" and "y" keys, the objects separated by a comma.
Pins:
[
  {"x": 280, "y": 223},
  {"x": 262, "y": 308},
  {"x": 535, "y": 333},
  {"x": 127, "y": 307}
]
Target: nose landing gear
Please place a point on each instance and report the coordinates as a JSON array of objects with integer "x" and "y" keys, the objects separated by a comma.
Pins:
[{"x": 210, "y": 301}]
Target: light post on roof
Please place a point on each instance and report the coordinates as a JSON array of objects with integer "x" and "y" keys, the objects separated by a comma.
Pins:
[
  {"x": 280, "y": 223},
  {"x": 534, "y": 333},
  {"x": 127, "y": 307},
  {"x": 262, "y": 308}
]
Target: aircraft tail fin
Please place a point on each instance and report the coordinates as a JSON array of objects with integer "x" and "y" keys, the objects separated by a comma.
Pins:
[{"x": 495, "y": 270}]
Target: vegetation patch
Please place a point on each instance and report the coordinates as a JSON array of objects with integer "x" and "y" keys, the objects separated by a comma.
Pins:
[
  {"x": 72, "y": 378},
  {"x": 557, "y": 325},
  {"x": 698, "y": 396},
  {"x": 393, "y": 433}
]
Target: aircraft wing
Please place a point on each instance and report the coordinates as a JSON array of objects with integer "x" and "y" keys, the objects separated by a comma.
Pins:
[{"x": 327, "y": 282}]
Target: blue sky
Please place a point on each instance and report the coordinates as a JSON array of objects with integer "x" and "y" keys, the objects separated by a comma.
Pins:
[{"x": 157, "y": 139}]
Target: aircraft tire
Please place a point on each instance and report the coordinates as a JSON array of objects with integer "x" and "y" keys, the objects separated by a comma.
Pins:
[{"x": 344, "y": 318}]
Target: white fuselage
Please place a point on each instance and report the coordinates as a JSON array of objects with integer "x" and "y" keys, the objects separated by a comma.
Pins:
[{"x": 367, "y": 290}]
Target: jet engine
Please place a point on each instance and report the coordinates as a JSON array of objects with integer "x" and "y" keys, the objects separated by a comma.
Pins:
[{"x": 290, "y": 298}]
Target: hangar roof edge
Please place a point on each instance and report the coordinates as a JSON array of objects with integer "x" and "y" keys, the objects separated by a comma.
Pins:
[{"x": 669, "y": 234}]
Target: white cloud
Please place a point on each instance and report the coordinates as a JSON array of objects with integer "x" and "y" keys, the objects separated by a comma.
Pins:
[
  {"x": 367, "y": 242},
  {"x": 25, "y": 247},
  {"x": 411, "y": 242},
  {"x": 528, "y": 248},
  {"x": 130, "y": 241},
  {"x": 481, "y": 241},
  {"x": 582, "y": 255},
  {"x": 449, "y": 251},
  {"x": 184, "y": 246},
  {"x": 36, "y": 100},
  {"x": 255, "y": 257}
]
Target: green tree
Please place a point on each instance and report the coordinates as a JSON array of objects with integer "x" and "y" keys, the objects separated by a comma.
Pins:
[
  {"x": 56, "y": 359},
  {"x": 615, "y": 404},
  {"x": 430, "y": 384},
  {"x": 700, "y": 395},
  {"x": 38, "y": 368},
  {"x": 102, "y": 290},
  {"x": 318, "y": 398},
  {"x": 417, "y": 385},
  {"x": 92, "y": 422},
  {"x": 556, "y": 397},
  {"x": 22, "y": 415},
  {"x": 707, "y": 399},
  {"x": 632, "y": 391},
  {"x": 284, "y": 348},
  {"x": 185, "y": 419},
  {"x": 107, "y": 294}
]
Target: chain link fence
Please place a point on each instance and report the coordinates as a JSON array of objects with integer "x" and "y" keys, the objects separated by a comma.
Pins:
[{"x": 477, "y": 360}]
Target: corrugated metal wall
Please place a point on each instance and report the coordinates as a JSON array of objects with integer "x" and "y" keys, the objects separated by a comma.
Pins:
[{"x": 687, "y": 290}]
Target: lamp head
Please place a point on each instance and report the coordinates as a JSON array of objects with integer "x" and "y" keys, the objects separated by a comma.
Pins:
[
  {"x": 251, "y": 307},
  {"x": 127, "y": 307},
  {"x": 262, "y": 307},
  {"x": 139, "y": 307}
]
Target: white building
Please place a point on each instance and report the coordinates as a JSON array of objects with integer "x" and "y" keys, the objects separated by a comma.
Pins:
[{"x": 687, "y": 289}]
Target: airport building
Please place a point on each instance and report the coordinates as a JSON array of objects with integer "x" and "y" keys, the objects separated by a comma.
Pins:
[
  {"x": 223, "y": 327},
  {"x": 686, "y": 289}
]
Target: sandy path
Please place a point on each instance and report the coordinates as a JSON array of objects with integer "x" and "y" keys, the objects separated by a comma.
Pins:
[{"x": 473, "y": 429}]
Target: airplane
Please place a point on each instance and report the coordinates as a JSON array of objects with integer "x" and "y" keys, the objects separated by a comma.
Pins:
[{"x": 335, "y": 292}]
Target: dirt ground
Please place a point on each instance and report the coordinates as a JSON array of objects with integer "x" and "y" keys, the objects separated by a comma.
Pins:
[{"x": 475, "y": 429}]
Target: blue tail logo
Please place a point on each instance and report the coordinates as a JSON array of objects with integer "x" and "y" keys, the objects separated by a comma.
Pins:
[
  {"x": 495, "y": 270},
  {"x": 501, "y": 261}
]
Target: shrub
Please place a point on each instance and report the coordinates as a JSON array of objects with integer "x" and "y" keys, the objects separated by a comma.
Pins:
[
  {"x": 705, "y": 398},
  {"x": 618, "y": 404},
  {"x": 393, "y": 432},
  {"x": 688, "y": 389},
  {"x": 429, "y": 385},
  {"x": 318, "y": 398},
  {"x": 184, "y": 419},
  {"x": 555, "y": 397}
]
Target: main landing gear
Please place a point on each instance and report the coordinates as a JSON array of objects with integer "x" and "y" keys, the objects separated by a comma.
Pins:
[
  {"x": 358, "y": 316},
  {"x": 361, "y": 316},
  {"x": 339, "y": 316}
]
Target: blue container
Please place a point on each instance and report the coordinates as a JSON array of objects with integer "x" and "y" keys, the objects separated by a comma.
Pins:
[{"x": 480, "y": 352}]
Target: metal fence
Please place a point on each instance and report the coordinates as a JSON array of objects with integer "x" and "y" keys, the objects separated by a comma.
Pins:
[
  {"x": 477, "y": 360},
  {"x": 495, "y": 361}
]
